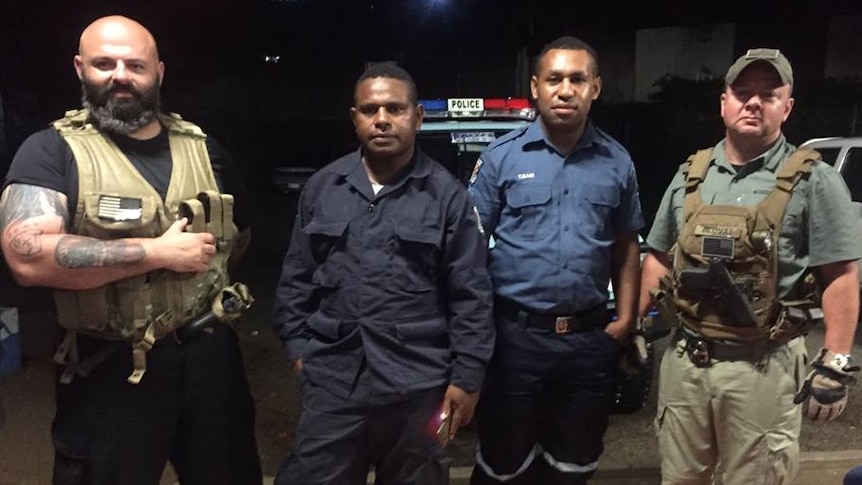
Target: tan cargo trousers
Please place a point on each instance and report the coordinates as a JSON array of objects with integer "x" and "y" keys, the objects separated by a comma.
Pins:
[{"x": 733, "y": 422}]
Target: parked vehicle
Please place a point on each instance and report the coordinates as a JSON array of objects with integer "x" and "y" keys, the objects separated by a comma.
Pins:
[{"x": 845, "y": 154}]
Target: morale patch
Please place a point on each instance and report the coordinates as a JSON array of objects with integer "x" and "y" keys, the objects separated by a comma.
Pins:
[
  {"x": 724, "y": 231},
  {"x": 717, "y": 247},
  {"x": 475, "y": 173},
  {"x": 119, "y": 208}
]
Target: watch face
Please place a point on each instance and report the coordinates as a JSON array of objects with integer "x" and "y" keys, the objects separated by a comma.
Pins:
[{"x": 840, "y": 361}]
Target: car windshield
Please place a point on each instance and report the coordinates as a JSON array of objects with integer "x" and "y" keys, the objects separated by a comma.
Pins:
[
  {"x": 458, "y": 149},
  {"x": 458, "y": 158}
]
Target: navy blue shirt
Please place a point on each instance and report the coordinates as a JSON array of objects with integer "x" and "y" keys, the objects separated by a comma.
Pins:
[
  {"x": 389, "y": 291},
  {"x": 554, "y": 218}
]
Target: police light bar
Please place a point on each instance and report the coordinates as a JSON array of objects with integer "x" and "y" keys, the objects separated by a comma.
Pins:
[{"x": 452, "y": 108}]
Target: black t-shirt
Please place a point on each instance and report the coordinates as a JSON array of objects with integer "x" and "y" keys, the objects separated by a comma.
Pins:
[{"x": 46, "y": 160}]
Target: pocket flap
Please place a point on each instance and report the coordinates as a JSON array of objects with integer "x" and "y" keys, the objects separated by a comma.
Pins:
[
  {"x": 525, "y": 196},
  {"x": 425, "y": 236},
  {"x": 326, "y": 326},
  {"x": 334, "y": 229},
  {"x": 602, "y": 195},
  {"x": 421, "y": 329}
]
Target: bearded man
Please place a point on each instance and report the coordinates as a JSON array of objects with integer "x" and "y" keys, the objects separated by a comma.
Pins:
[{"x": 124, "y": 211}]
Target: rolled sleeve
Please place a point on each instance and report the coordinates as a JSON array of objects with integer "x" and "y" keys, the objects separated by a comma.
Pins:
[
  {"x": 629, "y": 217},
  {"x": 665, "y": 229}
]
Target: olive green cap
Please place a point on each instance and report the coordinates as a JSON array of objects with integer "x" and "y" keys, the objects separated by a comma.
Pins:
[{"x": 773, "y": 56}]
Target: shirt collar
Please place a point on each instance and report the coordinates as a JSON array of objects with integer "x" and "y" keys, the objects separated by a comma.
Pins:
[
  {"x": 535, "y": 134},
  {"x": 354, "y": 169},
  {"x": 770, "y": 159}
]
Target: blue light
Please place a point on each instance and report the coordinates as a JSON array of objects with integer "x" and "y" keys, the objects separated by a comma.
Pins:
[{"x": 434, "y": 104}]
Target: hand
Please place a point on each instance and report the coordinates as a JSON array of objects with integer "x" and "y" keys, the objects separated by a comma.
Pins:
[
  {"x": 619, "y": 331},
  {"x": 824, "y": 392},
  {"x": 297, "y": 366},
  {"x": 461, "y": 404},
  {"x": 185, "y": 252}
]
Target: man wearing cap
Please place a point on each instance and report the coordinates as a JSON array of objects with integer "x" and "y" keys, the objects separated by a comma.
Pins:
[{"x": 752, "y": 245}]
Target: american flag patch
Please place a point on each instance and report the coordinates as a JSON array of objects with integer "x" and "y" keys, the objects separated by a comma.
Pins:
[{"x": 119, "y": 208}]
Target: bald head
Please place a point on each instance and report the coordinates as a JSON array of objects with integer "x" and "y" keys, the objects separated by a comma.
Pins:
[
  {"x": 119, "y": 35},
  {"x": 121, "y": 75}
]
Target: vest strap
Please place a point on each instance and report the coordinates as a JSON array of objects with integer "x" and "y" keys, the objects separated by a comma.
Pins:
[
  {"x": 797, "y": 166},
  {"x": 695, "y": 172},
  {"x": 139, "y": 354}
]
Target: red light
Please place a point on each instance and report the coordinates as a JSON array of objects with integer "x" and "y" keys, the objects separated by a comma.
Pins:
[
  {"x": 494, "y": 103},
  {"x": 518, "y": 103}
]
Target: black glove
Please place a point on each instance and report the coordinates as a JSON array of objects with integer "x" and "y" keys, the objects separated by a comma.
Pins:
[{"x": 824, "y": 392}]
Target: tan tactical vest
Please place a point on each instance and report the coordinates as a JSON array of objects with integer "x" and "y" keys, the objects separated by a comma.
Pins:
[
  {"x": 744, "y": 241},
  {"x": 115, "y": 201}
]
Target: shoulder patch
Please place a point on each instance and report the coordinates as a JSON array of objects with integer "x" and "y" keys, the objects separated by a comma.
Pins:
[
  {"x": 475, "y": 173},
  {"x": 479, "y": 221}
]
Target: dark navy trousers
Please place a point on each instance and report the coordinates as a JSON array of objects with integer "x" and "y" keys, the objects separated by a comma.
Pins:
[
  {"x": 545, "y": 404},
  {"x": 339, "y": 440}
]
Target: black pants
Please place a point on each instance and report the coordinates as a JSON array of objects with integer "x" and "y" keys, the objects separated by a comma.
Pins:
[
  {"x": 545, "y": 405},
  {"x": 338, "y": 441},
  {"x": 192, "y": 407}
]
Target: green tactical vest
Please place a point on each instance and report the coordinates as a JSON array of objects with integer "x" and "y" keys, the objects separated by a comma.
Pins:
[
  {"x": 115, "y": 201},
  {"x": 748, "y": 238}
]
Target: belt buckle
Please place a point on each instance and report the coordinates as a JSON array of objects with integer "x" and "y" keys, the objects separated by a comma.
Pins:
[
  {"x": 698, "y": 352},
  {"x": 561, "y": 324}
]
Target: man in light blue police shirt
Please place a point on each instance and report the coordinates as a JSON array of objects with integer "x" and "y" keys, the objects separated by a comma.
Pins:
[{"x": 560, "y": 199}]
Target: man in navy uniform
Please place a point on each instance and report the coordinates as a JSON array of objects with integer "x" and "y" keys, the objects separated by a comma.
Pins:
[
  {"x": 560, "y": 198},
  {"x": 384, "y": 302}
]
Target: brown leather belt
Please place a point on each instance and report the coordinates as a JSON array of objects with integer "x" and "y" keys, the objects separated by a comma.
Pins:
[{"x": 581, "y": 321}]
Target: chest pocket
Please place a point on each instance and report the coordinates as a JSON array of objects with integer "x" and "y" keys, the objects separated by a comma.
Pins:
[
  {"x": 325, "y": 239},
  {"x": 599, "y": 202},
  {"x": 416, "y": 260},
  {"x": 530, "y": 211}
]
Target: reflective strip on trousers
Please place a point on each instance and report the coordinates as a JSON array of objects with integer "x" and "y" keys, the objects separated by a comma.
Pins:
[
  {"x": 564, "y": 467},
  {"x": 511, "y": 476}
]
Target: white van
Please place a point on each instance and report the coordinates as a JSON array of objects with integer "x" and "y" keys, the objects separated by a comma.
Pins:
[{"x": 845, "y": 154}]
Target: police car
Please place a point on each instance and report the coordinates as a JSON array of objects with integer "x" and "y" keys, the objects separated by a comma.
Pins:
[{"x": 454, "y": 132}]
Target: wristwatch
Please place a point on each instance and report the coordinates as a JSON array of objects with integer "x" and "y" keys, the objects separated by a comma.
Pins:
[{"x": 843, "y": 362}]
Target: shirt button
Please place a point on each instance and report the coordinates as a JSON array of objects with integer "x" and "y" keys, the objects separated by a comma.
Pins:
[
  {"x": 566, "y": 228},
  {"x": 371, "y": 208},
  {"x": 566, "y": 192}
]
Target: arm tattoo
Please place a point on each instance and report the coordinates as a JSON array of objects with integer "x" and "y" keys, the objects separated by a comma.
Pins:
[
  {"x": 19, "y": 204},
  {"x": 25, "y": 239},
  {"x": 85, "y": 252}
]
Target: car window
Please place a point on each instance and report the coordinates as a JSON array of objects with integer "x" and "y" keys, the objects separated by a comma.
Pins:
[
  {"x": 829, "y": 154},
  {"x": 458, "y": 157},
  {"x": 852, "y": 172}
]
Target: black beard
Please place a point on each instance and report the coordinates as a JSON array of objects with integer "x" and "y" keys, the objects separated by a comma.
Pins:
[{"x": 120, "y": 115}]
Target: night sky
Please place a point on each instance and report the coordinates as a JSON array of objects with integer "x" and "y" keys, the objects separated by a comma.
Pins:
[{"x": 214, "y": 52}]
